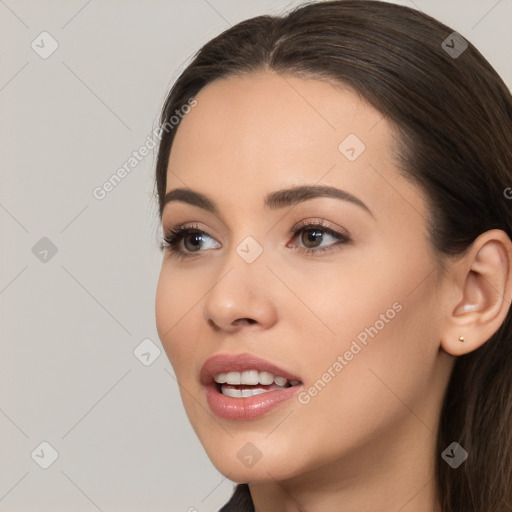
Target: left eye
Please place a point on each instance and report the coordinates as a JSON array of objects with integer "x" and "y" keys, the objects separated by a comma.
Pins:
[{"x": 312, "y": 236}]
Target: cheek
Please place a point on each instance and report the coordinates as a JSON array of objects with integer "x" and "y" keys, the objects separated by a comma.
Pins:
[
  {"x": 337, "y": 303},
  {"x": 377, "y": 338},
  {"x": 174, "y": 307},
  {"x": 362, "y": 399}
]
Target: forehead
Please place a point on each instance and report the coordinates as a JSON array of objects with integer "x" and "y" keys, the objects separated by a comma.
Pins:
[
  {"x": 276, "y": 101},
  {"x": 263, "y": 117},
  {"x": 251, "y": 134}
]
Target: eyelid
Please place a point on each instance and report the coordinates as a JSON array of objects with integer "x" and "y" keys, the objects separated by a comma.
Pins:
[
  {"x": 189, "y": 226},
  {"x": 192, "y": 226},
  {"x": 316, "y": 221},
  {"x": 323, "y": 223}
]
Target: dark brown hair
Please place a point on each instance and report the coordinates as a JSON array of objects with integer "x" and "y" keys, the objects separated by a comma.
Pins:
[{"x": 453, "y": 114}]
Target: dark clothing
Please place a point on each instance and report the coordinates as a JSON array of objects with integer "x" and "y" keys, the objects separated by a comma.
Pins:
[{"x": 241, "y": 500}]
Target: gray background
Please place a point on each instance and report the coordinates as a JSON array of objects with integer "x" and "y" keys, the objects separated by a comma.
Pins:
[{"x": 70, "y": 323}]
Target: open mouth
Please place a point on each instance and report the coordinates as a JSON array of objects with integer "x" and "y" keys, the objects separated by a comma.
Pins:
[{"x": 250, "y": 383}]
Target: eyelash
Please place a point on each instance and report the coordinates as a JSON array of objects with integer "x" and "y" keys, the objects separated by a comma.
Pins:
[{"x": 174, "y": 236}]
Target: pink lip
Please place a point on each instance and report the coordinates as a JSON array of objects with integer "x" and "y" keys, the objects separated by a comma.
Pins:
[{"x": 248, "y": 407}]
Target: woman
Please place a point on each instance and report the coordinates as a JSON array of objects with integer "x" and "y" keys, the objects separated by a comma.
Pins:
[{"x": 334, "y": 297}]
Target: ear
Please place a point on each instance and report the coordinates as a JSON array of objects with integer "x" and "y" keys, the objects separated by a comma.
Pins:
[{"x": 482, "y": 294}]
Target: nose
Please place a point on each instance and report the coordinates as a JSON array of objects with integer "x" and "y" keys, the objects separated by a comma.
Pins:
[{"x": 241, "y": 297}]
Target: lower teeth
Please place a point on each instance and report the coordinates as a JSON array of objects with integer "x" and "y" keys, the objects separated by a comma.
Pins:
[{"x": 242, "y": 393}]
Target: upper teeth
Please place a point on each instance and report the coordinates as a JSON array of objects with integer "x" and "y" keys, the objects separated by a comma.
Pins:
[{"x": 252, "y": 378}]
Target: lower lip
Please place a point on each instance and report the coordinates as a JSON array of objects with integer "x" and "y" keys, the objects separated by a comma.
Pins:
[{"x": 246, "y": 408}]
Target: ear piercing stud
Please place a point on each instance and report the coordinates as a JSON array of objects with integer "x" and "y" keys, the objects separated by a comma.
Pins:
[{"x": 461, "y": 339}]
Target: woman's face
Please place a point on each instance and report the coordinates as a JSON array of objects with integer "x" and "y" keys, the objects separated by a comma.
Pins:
[{"x": 347, "y": 306}]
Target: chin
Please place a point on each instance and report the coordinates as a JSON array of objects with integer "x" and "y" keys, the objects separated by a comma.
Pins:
[
  {"x": 262, "y": 471},
  {"x": 250, "y": 458}
]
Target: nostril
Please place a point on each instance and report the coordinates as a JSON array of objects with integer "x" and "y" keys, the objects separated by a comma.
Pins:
[
  {"x": 247, "y": 320},
  {"x": 212, "y": 324}
]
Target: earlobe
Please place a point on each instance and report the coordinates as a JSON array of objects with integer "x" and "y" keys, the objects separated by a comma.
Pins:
[{"x": 483, "y": 278}]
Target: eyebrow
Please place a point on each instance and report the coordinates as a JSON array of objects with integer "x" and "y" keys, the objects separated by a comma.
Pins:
[{"x": 273, "y": 201}]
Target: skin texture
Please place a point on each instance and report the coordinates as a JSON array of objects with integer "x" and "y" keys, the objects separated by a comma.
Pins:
[{"x": 366, "y": 441}]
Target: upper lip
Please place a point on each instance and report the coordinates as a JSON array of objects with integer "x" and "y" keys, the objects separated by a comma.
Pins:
[{"x": 223, "y": 363}]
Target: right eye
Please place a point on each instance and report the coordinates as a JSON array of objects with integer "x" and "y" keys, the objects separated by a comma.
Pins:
[{"x": 184, "y": 241}]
